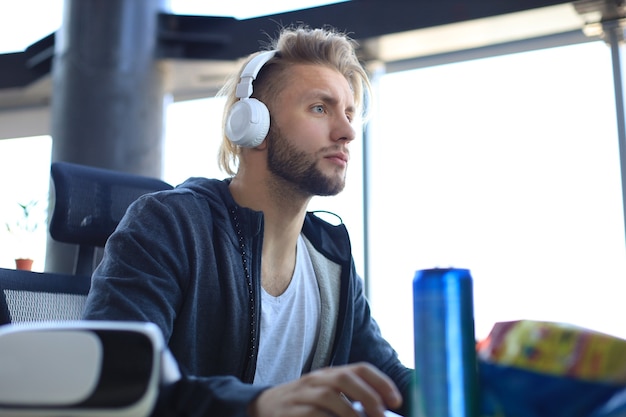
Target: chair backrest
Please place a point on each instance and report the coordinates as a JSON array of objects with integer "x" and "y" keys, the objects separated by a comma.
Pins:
[
  {"x": 89, "y": 203},
  {"x": 27, "y": 296}
]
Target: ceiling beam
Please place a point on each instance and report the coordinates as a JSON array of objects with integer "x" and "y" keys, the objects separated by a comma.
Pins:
[{"x": 198, "y": 51}]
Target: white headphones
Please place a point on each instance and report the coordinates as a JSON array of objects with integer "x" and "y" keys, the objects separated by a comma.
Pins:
[{"x": 248, "y": 120}]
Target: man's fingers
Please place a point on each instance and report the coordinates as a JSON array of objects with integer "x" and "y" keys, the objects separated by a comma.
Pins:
[
  {"x": 331, "y": 391},
  {"x": 381, "y": 383},
  {"x": 361, "y": 383}
]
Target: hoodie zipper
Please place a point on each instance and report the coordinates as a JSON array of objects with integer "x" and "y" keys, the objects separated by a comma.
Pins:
[{"x": 248, "y": 375}]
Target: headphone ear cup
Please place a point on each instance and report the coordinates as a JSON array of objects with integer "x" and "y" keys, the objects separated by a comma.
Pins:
[{"x": 248, "y": 123}]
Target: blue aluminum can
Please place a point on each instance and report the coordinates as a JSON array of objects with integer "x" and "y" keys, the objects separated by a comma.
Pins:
[{"x": 446, "y": 382}]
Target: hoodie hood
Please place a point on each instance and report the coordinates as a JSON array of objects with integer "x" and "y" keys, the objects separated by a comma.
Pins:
[
  {"x": 212, "y": 189},
  {"x": 216, "y": 191},
  {"x": 222, "y": 203}
]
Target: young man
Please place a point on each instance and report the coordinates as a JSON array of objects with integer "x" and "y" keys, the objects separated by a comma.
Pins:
[{"x": 259, "y": 300}]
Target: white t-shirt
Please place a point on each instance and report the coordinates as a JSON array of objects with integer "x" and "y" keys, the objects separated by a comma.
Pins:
[{"x": 289, "y": 325}]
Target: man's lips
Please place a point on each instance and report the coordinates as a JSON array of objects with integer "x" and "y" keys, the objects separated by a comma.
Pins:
[{"x": 339, "y": 157}]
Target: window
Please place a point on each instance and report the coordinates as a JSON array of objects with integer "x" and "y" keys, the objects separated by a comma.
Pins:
[
  {"x": 25, "y": 173},
  {"x": 508, "y": 166}
]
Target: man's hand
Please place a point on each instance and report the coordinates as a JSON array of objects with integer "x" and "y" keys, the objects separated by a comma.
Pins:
[{"x": 329, "y": 392}]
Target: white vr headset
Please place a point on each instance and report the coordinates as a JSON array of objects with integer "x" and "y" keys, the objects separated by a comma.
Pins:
[{"x": 82, "y": 368}]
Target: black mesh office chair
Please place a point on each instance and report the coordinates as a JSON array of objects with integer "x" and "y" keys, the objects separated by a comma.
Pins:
[{"x": 88, "y": 203}]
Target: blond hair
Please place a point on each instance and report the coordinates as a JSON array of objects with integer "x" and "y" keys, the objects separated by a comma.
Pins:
[{"x": 296, "y": 45}]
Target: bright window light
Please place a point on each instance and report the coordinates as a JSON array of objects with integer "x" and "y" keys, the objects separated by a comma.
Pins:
[{"x": 508, "y": 166}]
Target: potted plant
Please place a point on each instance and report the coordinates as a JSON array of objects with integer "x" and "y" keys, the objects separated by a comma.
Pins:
[{"x": 28, "y": 218}]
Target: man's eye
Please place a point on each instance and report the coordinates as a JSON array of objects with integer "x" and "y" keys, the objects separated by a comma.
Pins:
[{"x": 318, "y": 109}]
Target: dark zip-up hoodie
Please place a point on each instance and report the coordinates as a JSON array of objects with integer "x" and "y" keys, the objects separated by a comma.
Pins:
[{"x": 189, "y": 260}]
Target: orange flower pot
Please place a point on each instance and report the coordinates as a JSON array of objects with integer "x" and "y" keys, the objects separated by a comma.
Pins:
[{"x": 24, "y": 264}]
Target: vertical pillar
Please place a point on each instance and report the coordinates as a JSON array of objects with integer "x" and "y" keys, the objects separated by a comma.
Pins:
[
  {"x": 108, "y": 93},
  {"x": 614, "y": 33},
  {"x": 376, "y": 70}
]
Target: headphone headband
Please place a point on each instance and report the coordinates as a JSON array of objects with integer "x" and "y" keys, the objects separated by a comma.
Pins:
[{"x": 249, "y": 73}]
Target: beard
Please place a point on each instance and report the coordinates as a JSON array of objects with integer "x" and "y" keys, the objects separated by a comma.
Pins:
[{"x": 299, "y": 168}]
